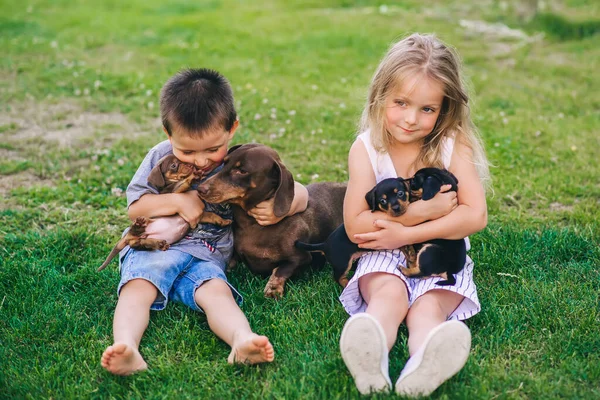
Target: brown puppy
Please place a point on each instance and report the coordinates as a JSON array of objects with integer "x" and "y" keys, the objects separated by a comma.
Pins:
[
  {"x": 253, "y": 173},
  {"x": 168, "y": 176}
]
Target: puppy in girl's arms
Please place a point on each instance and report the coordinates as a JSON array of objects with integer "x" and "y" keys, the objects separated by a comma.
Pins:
[{"x": 437, "y": 257}]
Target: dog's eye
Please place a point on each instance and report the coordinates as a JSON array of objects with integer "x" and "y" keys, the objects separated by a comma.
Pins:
[
  {"x": 174, "y": 165},
  {"x": 400, "y": 194},
  {"x": 383, "y": 202}
]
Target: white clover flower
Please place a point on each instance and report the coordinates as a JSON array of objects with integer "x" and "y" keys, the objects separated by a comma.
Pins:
[
  {"x": 257, "y": 117},
  {"x": 287, "y": 121},
  {"x": 281, "y": 130},
  {"x": 86, "y": 91},
  {"x": 116, "y": 191},
  {"x": 265, "y": 101},
  {"x": 77, "y": 92},
  {"x": 323, "y": 141},
  {"x": 121, "y": 162},
  {"x": 383, "y": 9},
  {"x": 342, "y": 105},
  {"x": 148, "y": 92},
  {"x": 150, "y": 105},
  {"x": 315, "y": 176},
  {"x": 54, "y": 44},
  {"x": 97, "y": 84},
  {"x": 292, "y": 112},
  {"x": 314, "y": 87}
]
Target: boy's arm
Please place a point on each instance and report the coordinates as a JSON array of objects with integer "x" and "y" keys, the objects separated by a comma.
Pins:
[
  {"x": 263, "y": 212},
  {"x": 188, "y": 205}
]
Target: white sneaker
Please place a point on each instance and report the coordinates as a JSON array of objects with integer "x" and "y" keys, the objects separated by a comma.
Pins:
[
  {"x": 442, "y": 355},
  {"x": 363, "y": 346}
]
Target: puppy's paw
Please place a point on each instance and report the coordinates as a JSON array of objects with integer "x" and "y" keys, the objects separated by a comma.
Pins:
[{"x": 163, "y": 245}]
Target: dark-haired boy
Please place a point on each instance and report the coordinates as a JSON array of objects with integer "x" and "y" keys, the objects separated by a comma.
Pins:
[{"x": 199, "y": 118}]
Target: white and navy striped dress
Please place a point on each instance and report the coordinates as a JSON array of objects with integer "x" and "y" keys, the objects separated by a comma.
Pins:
[{"x": 388, "y": 260}]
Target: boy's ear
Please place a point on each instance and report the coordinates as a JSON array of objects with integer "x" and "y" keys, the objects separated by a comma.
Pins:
[{"x": 234, "y": 127}]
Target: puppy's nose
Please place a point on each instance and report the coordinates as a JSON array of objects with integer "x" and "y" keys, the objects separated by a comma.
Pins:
[{"x": 396, "y": 207}]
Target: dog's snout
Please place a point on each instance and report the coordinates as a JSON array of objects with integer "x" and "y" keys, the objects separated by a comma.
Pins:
[{"x": 203, "y": 188}]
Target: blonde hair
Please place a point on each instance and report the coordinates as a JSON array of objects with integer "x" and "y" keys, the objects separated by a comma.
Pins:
[{"x": 429, "y": 56}]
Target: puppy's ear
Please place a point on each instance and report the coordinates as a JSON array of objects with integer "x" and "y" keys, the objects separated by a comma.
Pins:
[
  {"x": 157, "y": 177},
  {"x": 285, "y": 191},
  {"x": 370, "y": 197}
]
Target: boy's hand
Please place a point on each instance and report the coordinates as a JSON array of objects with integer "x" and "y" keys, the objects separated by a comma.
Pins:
[
  {"x": 190, "y": 207},
  {"x": 263, "y": 213},
  {"x": 442, "y": 203}
]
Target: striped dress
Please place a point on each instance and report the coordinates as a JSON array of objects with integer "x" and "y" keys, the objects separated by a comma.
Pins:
[{"x": 387, "y": 260}]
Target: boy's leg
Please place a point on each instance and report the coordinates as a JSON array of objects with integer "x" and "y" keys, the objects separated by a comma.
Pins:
[
  {"x": 229, "y": 323},
  {"x": 367, "y": 337},
  {"x": 130, "y": 321},
  {"x": 438, "y": 348}
]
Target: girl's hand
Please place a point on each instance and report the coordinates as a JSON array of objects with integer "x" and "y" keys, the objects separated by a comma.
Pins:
[
  {"x": 263, "y": 213},
  {"x": 190, "y": 207},
  {"x": 391, "y": 235},
  {"x": 442, "y": 203},
  {"x": 170, "y": 228}
]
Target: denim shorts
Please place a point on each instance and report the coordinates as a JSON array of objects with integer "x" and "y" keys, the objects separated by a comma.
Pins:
[{"x": 175, "y": 274}]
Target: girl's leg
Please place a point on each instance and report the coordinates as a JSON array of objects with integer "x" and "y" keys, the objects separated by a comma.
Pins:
[
  {"x": 229, "y": 323},
  {"x": 130, "y": 321},
  {"x": 368, "y": 337},
  {"x": 387, "y": 300},
  {"x": 438, "y": 348}
]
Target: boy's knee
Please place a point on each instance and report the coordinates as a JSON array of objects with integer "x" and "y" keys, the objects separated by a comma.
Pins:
[{"x": 213, "y": 288}]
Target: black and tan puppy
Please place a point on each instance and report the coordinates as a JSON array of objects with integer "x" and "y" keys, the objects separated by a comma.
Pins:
[
  {"x": 168, "y": 176},
  {"x": 253, "y": 173},
  {"x": 438, "y": 257},
  {"x": 390, "y": 196}
]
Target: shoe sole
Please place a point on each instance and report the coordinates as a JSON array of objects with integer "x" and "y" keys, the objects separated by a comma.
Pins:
[
  {"x": 364, "y": 350},
  {"x": 446, "y": 352}
]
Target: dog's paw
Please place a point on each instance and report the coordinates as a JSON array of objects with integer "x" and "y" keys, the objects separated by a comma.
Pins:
[
  {"x": 163, "y": 245},
  {"x": 274, "y": 292}
]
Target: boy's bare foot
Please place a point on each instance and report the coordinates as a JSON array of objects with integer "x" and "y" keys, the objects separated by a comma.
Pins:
[
  {"x": 122, "y": 359},
  {"x": 251, "y": 349}
]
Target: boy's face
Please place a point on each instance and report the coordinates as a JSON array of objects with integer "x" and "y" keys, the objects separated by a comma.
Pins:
[{"x": 207, "y": 152}]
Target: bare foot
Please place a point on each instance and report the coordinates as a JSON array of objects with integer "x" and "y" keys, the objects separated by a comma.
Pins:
[
  {"x": 251, "y": 349},
  {"x": 122, "y": 359}
]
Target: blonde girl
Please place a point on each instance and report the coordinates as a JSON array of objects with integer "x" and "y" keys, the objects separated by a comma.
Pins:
[{"x": 417, "y": 115}]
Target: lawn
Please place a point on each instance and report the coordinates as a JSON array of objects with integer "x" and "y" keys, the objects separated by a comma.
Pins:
[{"x": 79, "y": 87}]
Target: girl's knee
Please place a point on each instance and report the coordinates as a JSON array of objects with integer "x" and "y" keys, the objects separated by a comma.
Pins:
[
  {"x": 436, "y": 304},
  {"x": 379, "y": 285}
]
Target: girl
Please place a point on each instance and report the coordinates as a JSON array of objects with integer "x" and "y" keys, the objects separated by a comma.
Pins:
[{"x": 416, "y": 116}]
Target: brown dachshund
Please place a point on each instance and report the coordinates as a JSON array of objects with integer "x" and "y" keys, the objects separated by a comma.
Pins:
[
  {"x": 253, "y": 173},
  {"x": 168, "y": 176}
]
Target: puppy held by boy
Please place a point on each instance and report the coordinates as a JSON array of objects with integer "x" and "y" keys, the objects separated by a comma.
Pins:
[
  {"x": 169, "y": 176},
  {"x": 438, "y": 257}
]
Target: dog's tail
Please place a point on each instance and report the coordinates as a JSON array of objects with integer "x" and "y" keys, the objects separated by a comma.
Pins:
[
  {"x": 113, "y": 253},
  {"x": 310, "y": 247}
]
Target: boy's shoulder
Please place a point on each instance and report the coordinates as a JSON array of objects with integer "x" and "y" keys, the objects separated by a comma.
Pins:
[{"x": 159, "y": 151}]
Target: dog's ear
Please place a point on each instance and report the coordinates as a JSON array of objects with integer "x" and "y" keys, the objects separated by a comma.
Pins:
[
  {"x": 157, "y": 177},
  {"x": 370, "y": 198},
  {"x": 284, "y": 194}
]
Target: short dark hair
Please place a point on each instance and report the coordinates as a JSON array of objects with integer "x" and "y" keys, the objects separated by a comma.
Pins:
[{"x": 197, "y": 100}]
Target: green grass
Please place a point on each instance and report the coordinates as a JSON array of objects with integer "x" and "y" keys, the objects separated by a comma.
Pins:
[{"x": 79, "y": 85}]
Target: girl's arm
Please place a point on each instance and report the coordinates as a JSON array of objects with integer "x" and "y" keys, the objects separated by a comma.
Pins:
[
  {"x": 469, "y": 217},
  {"x": 357, "y": 216},
  {"x": 263, "y": 212}
]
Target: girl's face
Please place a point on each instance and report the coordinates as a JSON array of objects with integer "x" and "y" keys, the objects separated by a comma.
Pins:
[
  {"x": 412, "y": 109},
  {"x": 207, "y": 152}
]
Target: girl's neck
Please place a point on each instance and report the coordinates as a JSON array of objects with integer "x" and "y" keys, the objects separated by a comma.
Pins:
[{"x": 404, "y": 157}]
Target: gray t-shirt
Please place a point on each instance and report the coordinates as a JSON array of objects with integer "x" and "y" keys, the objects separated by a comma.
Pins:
[{"x": 207, "y": 242}]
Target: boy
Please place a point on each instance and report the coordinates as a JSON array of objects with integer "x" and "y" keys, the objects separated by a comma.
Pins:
[{"x": 199, "y": 118}]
